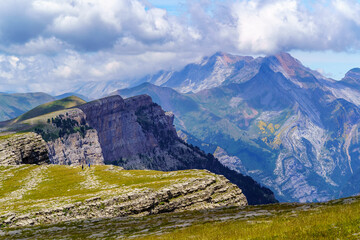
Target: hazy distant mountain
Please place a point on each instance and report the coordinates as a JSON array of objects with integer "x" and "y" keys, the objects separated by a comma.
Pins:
[
  {"x": 292, "y": 129},
  {"x": 13, "y": 105},
  {"x": 94, "y": 90},
  {"x": 65, "y": 95},
  {"x": 208, "y": 73}
]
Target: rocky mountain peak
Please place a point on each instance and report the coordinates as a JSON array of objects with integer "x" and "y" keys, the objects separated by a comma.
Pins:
[
  {"x": 288, "y": 65},
  {"x": 352, "y": 76},
  {"x": 229, "y": 59}
]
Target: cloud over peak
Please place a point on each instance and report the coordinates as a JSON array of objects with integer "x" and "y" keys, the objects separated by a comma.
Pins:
[{"x": 75, "y": 41}]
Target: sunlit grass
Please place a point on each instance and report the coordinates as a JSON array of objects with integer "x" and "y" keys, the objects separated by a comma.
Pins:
[
  {"x": 335, "y": 221},
  {"x": 13, "y": 180},
  {"x": 59, "y": 185},
  {"x": 31, "y": 187}
]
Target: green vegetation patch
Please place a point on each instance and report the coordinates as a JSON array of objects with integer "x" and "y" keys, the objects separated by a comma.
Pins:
[
  {"x": 338, "y": 219},
  {"x": 317, "y": 221},
  {"x": 57, "y": 105},
  {"x": 144, "y": 178},
  {"x": 12, "y": 178},
  {"x": 30, "y": 188},
  {"x": 7, "y": 136}
]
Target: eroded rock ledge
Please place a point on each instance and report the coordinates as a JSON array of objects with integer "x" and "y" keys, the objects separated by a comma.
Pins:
[
  {"x": 27, "y": 148},
  {"x": 204, "y": 192}
]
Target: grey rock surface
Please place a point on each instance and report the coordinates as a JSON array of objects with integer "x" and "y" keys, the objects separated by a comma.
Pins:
[
  {"x": 206, "y": 192},
  {"x": 27, "y": 148},
  {"x": 75, "y": 149}
]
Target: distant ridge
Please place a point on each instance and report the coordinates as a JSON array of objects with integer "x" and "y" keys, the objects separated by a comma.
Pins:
[
  {"x": 15, "y": 104},
  {"x": 57, "y": 105}
]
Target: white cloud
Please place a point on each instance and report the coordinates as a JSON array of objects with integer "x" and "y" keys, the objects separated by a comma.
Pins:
[{"x": 62, "y": 43}]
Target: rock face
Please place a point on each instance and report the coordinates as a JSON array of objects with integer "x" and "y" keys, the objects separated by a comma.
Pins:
[
  {"x": 352, "y": 77},
  {"x": 75, "y": 149},
  {"x": 27, "y": 148},
  {"x": 232, "y": 162},
  {"x": 203, "y": 191},
  {"x": 119, "y": 126}
]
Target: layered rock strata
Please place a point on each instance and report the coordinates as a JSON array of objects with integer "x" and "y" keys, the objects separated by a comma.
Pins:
[
  {"x": 27, "y": 148},
  {"x": 75, "y": 149},
  {"x": 206, "y": 192}
]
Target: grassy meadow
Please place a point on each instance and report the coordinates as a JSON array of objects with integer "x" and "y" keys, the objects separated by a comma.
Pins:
[{"x": 27, "y": 188}]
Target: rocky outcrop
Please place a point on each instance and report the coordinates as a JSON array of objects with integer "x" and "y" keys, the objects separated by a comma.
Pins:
[
  {"x": 27, "y": 148},
  {"x": 76, "y": 149},
  {"x": 204, "y": 192},
  {"x": 232, "y": 162}
]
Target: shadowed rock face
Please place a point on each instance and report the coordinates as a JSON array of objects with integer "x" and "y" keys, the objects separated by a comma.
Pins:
[
  {"x": 122, "y": 126},
  {"x": 27, "y": 148}
]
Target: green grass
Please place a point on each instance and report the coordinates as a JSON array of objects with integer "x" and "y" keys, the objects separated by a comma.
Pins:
[
  {"x": 59, "y": 183},
  {"x": 28, "y": 188},
  {"x": 142, "y": 178},
  {"x": 338, "y": 219},
  {"x": 13, "y": 180},
  {"x": 50, "y": 107},
  {"x": 332, "y": 221},
  {"x": 7, "y": 136}
]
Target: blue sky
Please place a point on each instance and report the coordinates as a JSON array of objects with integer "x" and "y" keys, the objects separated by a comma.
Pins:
[
  {"x": 173, "y": 7},
  {"x": 57, "y": 46}
]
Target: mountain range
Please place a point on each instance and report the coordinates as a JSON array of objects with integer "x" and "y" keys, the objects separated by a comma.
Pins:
[{"x": 287, "y": 126}]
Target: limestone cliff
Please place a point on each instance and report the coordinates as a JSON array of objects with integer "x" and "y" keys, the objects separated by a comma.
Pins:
[
  {"x": 27, "y": 148},
  {"x": 75, "y": 149}
]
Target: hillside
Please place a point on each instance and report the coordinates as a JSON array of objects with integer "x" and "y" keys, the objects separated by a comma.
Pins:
[
  {"x": 50, "y": 107},
  {"x": 37, "y": 118},
  {"x": 337, "y": 219},
  {"x": 13, "y": 105},
  {"x": 283, "y": 124},
  {"x": 48, "y": 194}
]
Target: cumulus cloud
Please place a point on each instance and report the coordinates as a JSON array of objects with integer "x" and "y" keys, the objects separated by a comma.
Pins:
[
  {"x": 50, "y": 45},
  {"x": 270, "y": 26}
]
